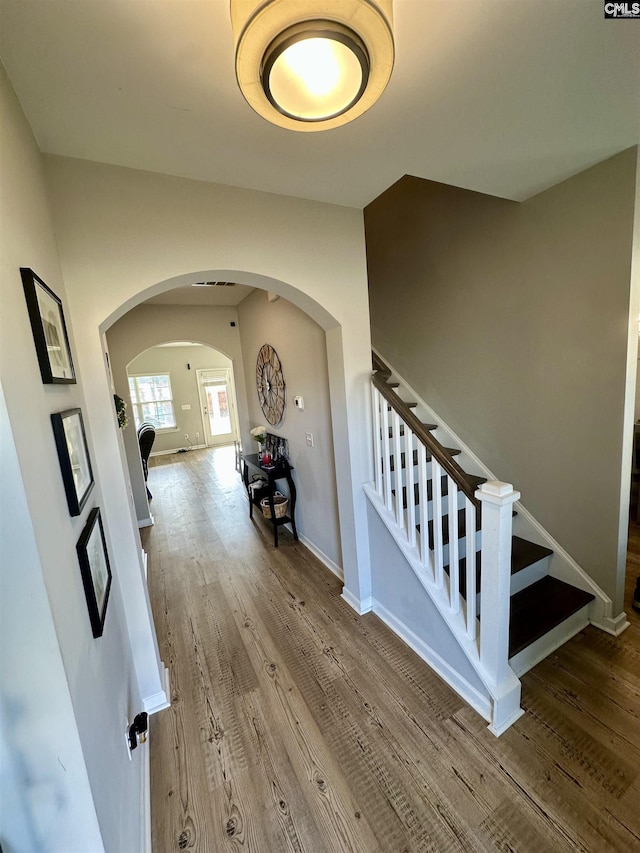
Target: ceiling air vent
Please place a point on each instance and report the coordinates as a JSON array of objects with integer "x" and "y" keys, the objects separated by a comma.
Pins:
[{"x": 214, "y": 284}]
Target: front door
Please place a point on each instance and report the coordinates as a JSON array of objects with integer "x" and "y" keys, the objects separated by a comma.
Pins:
[{"x": 217, "y": 403}]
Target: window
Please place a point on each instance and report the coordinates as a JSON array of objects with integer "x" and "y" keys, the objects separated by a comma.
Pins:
[{"x": 152, "y": 400}]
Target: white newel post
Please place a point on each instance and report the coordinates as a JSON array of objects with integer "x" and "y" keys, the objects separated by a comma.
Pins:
[{"x": 497, "y": 509}]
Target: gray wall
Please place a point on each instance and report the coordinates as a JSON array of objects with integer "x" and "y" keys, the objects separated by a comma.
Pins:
[
  {"x": 184, "y": 387},
  {"x": 511, "y": 320},
  {"x": 301, "y": 346}
]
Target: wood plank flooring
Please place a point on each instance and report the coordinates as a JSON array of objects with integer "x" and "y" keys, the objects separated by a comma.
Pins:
[{"x": 297, "y": 725}]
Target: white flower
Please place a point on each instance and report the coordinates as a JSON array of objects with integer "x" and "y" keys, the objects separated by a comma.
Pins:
[{"x": 259, "y": 433}]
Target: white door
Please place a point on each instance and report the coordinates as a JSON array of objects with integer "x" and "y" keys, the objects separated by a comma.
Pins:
[{"x": 218, "y": 406}]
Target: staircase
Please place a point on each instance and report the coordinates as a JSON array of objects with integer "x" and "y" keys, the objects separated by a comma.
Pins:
[{"x": 493, "y": 588}]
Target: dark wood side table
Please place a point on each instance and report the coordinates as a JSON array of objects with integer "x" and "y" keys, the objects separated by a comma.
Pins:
[{"x": 281, "y": 470}]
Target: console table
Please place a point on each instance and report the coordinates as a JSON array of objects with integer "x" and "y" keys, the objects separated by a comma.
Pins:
[{"x": 280, "y": 470}]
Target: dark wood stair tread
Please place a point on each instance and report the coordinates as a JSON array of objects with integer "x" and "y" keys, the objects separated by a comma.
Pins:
[
  {"x": 525, "y": 553},
  {"x": 540, "y": 607}
]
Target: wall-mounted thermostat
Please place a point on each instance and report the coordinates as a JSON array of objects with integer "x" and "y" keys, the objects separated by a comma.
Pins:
[{"x": 298, "y": 402}]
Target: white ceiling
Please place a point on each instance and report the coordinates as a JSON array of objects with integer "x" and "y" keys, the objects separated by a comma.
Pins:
[{"x": 506, "y": 97}]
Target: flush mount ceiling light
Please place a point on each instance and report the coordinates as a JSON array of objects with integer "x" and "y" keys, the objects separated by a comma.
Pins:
[{"x": 312, "y": 64}]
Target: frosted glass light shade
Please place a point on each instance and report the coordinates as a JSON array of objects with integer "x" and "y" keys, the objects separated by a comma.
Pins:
[
  {"x": 315, "y": 73},
  {"x": 312, "y": 64}
]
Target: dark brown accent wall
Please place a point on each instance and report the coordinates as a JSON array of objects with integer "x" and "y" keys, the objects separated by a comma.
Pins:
[{"x": 511, "y": 320}]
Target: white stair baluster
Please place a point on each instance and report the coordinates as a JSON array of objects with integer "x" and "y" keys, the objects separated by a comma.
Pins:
[
  {"x": 409, "y": 479},
  {"x": 454, "y": 565},
  {"x": 397, "y": 464},
  {"x": 423, "y": 494},
  {"x": 376, "y": 400},
  {"x": 386, "y": 455},
  {"x": 436, "y": 475},
  {"x": 470, "y": 524}
]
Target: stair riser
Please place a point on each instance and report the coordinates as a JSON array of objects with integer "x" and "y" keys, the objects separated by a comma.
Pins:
[
  {"x": 542, "y": 648},
  {"x": 525, "y": 577}
]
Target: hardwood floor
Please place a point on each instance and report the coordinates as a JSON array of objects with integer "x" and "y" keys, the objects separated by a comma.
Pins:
[{"x": 297, "y": 725}]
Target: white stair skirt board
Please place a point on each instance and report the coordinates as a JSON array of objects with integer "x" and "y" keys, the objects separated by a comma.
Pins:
[
  {"x": 146, "y": 522},
  {"x": 145, "y": 562},
  {"x": 542, "y": 648},
  {"x": 361, "y": 607},
  {"x": 334, "y": 568},
  {"x": 160, "y": 700},
  {"x": 461, "y": 686},
  {"x": 563, "y": 566}
]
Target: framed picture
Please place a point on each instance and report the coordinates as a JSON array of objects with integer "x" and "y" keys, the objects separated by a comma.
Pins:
[
  {"x": 49, "y": 330},
  {"x": 95, "y": 570},
  {"x": 73, "y": 455}
]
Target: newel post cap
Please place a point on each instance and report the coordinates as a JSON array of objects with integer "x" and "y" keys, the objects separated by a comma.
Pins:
[{"x": 496, "y": 492}]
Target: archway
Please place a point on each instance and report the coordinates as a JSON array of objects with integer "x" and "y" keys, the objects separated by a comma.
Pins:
[
  {"x": 183, "y": 329},
  {"x": 145, "y": 233}
]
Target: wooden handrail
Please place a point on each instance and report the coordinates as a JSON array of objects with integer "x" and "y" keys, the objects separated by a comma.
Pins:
[{"x": 379, "y": 379}]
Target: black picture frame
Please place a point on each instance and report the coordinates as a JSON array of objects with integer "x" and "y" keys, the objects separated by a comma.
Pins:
[
  {"x": 95, "y": 570},
  {"x": 49, "y": 330},
  {"x": 73, "y": 455}
]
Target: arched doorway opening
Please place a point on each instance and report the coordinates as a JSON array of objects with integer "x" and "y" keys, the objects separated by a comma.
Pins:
[{"x": 347, "y": 532}]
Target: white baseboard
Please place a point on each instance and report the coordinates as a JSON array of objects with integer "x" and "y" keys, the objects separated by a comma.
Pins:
[
  {"x": 334, "y": 568},
  {"x": 145, "y": 562},
  {"x": 447, "y": 673},
  {"x": 145, "y": 798},
  {"x": 146, "y": 522},
  {"x": 178, "y": 449},
  {"x": 361, "y": 607},
  {"x": 160, "y": 700},
  {"x": 612, "y": 625}
]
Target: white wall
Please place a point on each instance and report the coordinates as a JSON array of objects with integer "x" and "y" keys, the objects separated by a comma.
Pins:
[
  {"x": 143, "y": 233},
  {"x": 302, "y": 349},
  {"x": 74, "y": 691},
  {"x": 184, "y": 388},
  {"x": 637, "y": 398}
]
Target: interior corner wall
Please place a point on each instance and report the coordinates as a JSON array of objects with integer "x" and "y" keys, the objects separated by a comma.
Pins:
[
  {"x": 70, "y": 697},
  {"x": 511, "y": 321},
  {"x": 144, "y": 327},
  {"x": 302, "y": 348}
]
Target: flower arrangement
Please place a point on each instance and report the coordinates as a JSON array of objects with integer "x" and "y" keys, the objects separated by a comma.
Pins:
[
  {"x": 260, "y": 434},
  {"x": 121, "y": 411}
]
